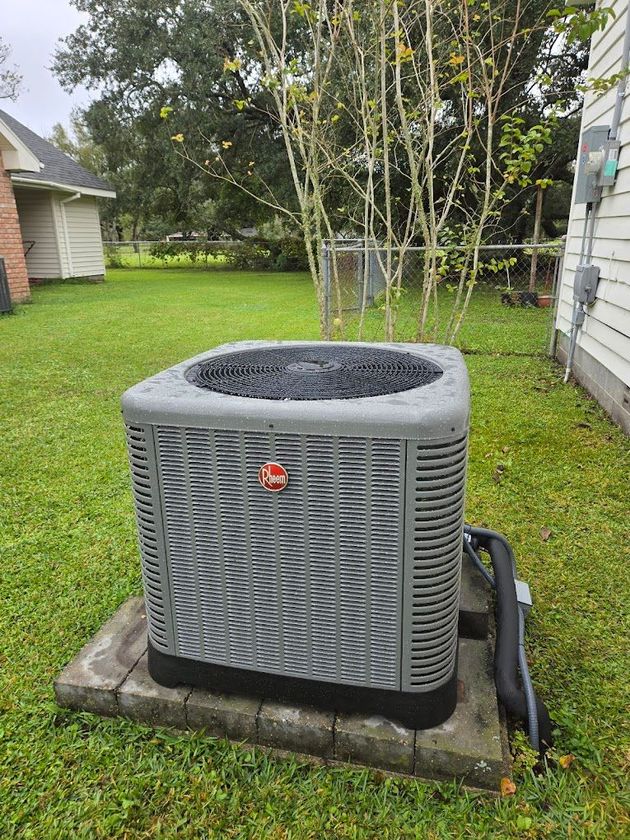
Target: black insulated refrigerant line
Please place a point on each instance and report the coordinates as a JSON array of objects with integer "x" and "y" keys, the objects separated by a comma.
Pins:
[{"x": 509, "y": 656}]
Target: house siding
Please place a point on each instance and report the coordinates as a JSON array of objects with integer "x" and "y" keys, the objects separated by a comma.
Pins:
[
  {"x": 84, "y": 235},
  {"x": 38, "y": 227},
  {"x": 602, "y": 360},
  {"x": 67, "y": 237},
  {"x": 63, "y": 243}
]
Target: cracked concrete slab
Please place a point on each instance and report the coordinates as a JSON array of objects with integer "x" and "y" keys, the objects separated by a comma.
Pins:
[
  {"x": 90, "y": 681},
  {"x": 223, "y": 715},
  {"x": 143, "y": 700},
  {"x": 375, "y": 741},
  {"x": 297, "y": 728},
  {"x": 469, "y": 744},
  {"x": 109, "y": 676}
]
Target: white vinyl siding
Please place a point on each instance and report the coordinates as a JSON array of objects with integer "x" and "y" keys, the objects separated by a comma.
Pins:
[
  {"x": 61, "y": 233},
  {"x": 605, "y": 334},
  {"x": 35, "y": 212},
  {"x": 84, "y": 236}
]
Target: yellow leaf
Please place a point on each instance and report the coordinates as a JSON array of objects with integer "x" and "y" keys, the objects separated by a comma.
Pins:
[
  {"x": 404, "y": 52},
  {"x": 456, "y": 60},
  {"x": 460, "y": 77},
  {"x": 226, "y": 144},
  {"x": 231, "y": 64},
  {"x": 565, "y": 761},
  {"x": 508, "y": 788},
  {"x": 165, "y": 110}
]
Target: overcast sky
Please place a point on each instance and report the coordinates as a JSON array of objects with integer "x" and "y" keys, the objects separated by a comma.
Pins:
[{"x": 32, "y": 28}]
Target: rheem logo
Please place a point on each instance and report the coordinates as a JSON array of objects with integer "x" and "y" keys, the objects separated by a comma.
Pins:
[{"x": 273, "y": 476}]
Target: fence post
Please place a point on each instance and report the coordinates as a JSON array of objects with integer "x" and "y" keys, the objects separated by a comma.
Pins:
[
  {"x": 360, "y": 282},
  {"x": 326, "y": 288},
  {"x": 555, "y": 293}
]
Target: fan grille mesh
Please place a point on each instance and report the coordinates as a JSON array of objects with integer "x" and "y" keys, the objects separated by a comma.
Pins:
[{"x": 314, "y": 372}]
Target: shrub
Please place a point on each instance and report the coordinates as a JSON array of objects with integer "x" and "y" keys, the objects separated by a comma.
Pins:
[
  {"x": 292, "y": 256},
  {"x": 249, "y": 255},
  {"x": 113, "y": 258},
  {"x": 287, "y": 254}
]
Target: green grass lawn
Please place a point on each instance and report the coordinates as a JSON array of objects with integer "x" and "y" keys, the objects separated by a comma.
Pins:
[{"x": 68, "y": 559}]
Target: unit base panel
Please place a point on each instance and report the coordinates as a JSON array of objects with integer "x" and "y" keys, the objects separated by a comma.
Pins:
[{"x": 415, "y": 710}]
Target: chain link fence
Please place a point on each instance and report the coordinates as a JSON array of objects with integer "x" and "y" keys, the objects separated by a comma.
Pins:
[
  {"x": 510, "y": 277},
  {"x": 248, "y": 254},
  {"x": 160, "y": 254},
  {"x": 504, "y": 316}
]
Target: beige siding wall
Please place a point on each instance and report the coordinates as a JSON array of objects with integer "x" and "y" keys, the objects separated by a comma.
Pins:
[
  {"x": 84, "y": 236},
  {"x": 605, "y": 334},
  {"x": 35, "y": 210},
  {"x": 61, "y": 232}
]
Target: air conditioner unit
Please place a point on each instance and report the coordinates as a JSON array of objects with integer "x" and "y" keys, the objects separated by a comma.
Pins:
[{"x": 300, "y": 514}]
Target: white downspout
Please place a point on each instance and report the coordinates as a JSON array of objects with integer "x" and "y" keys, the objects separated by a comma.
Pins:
[{"x": 64, "y": 222}]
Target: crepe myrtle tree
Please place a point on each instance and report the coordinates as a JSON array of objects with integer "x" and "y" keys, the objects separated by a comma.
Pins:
[{"x": 401, "y": 122}]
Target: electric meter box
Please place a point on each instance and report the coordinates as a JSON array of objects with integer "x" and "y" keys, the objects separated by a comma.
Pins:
[{"x": 587, "y": 182}]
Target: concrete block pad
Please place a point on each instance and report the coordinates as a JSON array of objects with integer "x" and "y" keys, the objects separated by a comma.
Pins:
[
  {"x": 296, "y": 728},
  {"x": 90, "y": 681},
  {"x": 143, "y": 700},
  {"x": 110, "y": 676},
  {"x": 223, "y": 715},
  {"x": 375, "y": 741},
  {"x": 474, "y": 602},
  {"x": 469, "y": 744}
]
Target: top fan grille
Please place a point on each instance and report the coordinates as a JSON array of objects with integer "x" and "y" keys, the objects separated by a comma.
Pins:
[{"x": 314, "y": 372}]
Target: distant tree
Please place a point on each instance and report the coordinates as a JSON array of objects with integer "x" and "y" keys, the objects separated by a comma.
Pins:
[
  {"x": 10, "y": 78},
  {"x": 77, "y": 142},
  {"x": 170, "y": 54},
  {"x": 193, "y": 70}
]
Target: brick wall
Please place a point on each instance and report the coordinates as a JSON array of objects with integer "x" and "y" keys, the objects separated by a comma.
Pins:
[{"x": 11, "y": 247}]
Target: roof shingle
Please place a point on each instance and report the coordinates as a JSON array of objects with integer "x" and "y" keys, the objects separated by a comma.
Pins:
[{"x": 58, "y": 167}]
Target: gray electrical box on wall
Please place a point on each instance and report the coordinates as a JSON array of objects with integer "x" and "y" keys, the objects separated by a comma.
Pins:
[{"x": 590, "y": 163}]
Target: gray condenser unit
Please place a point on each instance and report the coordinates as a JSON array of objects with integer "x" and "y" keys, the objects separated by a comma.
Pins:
[{"x": 300, "y": 515}]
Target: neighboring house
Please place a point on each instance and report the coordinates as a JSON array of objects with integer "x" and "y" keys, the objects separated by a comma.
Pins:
[
  {"x": 248, "y": 231},
  {"x": 180, "y": 236},
  {"x": 49, "y": 218},
  {"x": 602, "y": 355}
]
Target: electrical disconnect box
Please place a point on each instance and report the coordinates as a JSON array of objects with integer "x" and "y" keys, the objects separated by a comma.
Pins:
[
  {"x": 608, "y": 172},
  {"x": 593, "y": 166},
  {"x": 585, "y": 283}
]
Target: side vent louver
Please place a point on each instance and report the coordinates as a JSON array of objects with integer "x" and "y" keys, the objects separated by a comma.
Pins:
[
  {"x": 147, "y": 535},
  {"x": 437, "y": 476}
]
